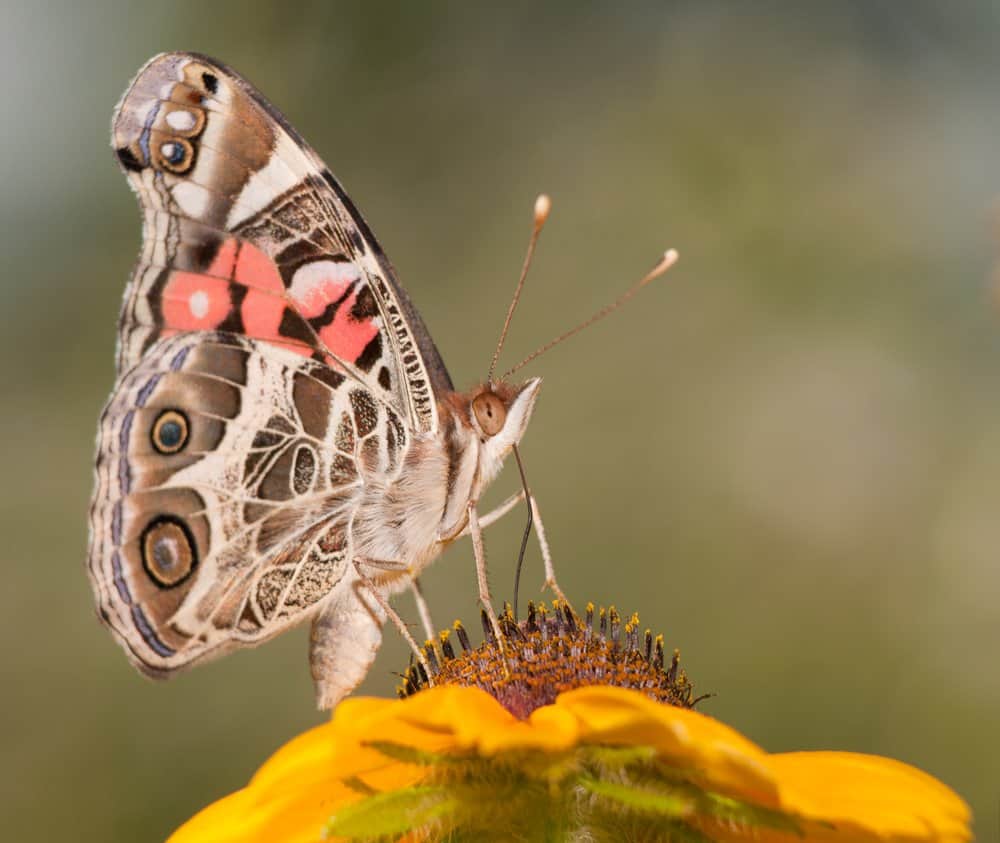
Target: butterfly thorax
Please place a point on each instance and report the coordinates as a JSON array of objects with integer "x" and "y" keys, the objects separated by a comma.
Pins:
[
  {"x": 399, "y": 519},
  {"x": 424, "y": 507}
]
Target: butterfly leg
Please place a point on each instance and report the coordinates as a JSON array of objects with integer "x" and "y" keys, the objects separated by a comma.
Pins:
[
  {"x": 479, "y": 549},
  {"x": 423, "y": 609},
  {"x": 495, "y": 515},
  {"x": 550, "y": 571},
  {"x": 485, "y": 521},
  {"x": 418, "y": 596},
  {"x": 373, "y": 589}
]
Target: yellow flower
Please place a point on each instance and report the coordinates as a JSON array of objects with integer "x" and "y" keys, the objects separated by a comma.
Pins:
[{"x": 599, "y": 763}]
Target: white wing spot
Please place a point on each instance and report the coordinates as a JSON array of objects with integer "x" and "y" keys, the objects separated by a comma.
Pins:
[
  {"x": 191, "y": 198},
  {"x": 317, "y": 284},
  {"x": 181, "y": 121},
  {"x": 198, "y": 304}
]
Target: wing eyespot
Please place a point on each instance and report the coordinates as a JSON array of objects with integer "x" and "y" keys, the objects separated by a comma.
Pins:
[
  {"x": 170, "y": 432},
  {"x": 184, "y": 122},
  {"x": 175, "y": 155},
  {"x": 168, "y": 551},
  {"x": 173, "y": 152}
]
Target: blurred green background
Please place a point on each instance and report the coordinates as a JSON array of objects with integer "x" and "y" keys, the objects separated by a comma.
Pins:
[{"x": 785, "y": 456}]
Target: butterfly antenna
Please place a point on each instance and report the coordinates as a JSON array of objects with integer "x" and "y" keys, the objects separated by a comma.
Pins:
[
  {"x": 668, "y": 260},
  {"x": 542, "y": 207}
]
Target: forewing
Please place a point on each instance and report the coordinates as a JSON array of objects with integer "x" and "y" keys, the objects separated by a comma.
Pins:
[
  {"x": 227, "y": 476},
  {"x": 246, "y": 231}
]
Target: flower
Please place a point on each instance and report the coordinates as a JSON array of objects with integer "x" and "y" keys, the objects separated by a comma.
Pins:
[{"x": 599, "y": 763}]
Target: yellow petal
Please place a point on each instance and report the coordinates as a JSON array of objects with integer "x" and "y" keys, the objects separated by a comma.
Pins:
[
  {"x": 888, "y": 799},
  {"x": 290, "y": 799}
]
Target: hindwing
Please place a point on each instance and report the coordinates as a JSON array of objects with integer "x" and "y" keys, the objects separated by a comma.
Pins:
[{"x": 228, "y": 475}]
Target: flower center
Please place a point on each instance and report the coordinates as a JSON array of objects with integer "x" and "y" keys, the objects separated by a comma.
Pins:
[{"x": 551, "y": 652}]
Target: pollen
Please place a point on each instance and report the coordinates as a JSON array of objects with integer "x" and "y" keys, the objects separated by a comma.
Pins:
[{"x": 549, "y": 652}]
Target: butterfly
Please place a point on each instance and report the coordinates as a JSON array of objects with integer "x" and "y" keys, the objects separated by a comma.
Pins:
[{"x": 283, "y": 442}]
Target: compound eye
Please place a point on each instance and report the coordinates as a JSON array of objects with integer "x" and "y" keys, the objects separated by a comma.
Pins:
[{"x": 490, "y": 413}]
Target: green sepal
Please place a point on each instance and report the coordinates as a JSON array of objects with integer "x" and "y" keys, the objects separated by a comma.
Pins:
[
  {"x": 411, "y": 755},
  {"x": 665, "y": 803},
  {"x": 731, "y": 810},
  {"x": 392, "y": 813}
]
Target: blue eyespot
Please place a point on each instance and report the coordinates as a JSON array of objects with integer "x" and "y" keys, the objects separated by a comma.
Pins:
[
  {"x": 170, "y": 432},
  {"x": 173, "y": 152}
]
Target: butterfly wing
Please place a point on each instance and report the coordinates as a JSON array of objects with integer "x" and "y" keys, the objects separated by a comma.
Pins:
[
  {"x": 246, "y": 231},
  {"x": 227, "y": 477},
  {"x": 268, "y": 361}
]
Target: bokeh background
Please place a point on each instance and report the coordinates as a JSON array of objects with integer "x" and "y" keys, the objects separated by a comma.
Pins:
[{"x": 785, "y": 455}]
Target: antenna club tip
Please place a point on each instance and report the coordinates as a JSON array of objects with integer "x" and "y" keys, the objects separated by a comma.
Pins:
[
  {"x": 662, "y": 265},
  {"x": 543, "y": 204},
  {"x": 668, "y": 260}
]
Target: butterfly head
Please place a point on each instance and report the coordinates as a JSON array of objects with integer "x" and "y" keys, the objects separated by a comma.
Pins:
[{"x": 498, "y": 414}]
